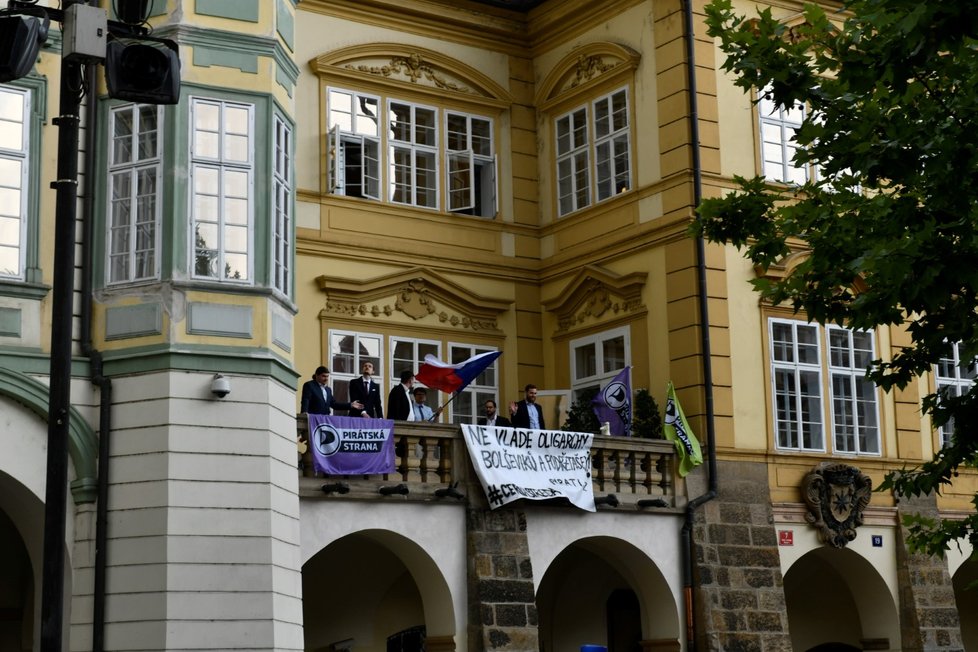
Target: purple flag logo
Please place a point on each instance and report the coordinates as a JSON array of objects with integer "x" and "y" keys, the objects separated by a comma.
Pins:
[
  {"x": 351, "y": 446},
  {"x": 613, "y": 404}
]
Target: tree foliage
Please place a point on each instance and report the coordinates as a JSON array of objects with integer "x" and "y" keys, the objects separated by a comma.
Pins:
[
  {"x": 647, "y": 422},
  {"x": 892, "y": 92},
  {"x": 580, "y": 416}
]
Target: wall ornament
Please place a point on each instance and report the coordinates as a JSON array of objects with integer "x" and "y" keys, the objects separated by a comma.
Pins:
[{"x": 836, "y": 496}]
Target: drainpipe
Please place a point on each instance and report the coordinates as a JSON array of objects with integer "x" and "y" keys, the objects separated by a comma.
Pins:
[
  {"x": 95, "y": 359},
  {"x": 711, "y": 493}
]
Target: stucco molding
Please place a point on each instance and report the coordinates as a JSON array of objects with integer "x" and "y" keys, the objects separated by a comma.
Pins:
[
  {"x": 420, "y": 294},
  {"x": 595, "y": 293},
  {"x": 419, "y": 68},
  {"x": 584, "y": 67},
  {"x": 787, "y": 265},
  {"x": 82, "y": 441}
]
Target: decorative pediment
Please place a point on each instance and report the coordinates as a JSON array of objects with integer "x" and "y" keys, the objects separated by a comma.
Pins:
[
  {"x": 595, "y": 293},
  {"x": 418, "y": 68},
  {"x": 422, "y": 295},
  {"x": 583, "y": 68},
  {"x": 836, "y": 496},
  {"x": 787, "y": 265}
]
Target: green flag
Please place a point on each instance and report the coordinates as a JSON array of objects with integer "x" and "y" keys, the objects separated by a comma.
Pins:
[{"x": 677, "y": 429}]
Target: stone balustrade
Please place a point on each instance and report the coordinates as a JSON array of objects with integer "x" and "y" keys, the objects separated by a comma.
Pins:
[{"x": 433, "y": 465}]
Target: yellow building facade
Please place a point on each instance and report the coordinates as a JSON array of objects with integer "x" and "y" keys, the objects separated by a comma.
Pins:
[{"x": 377, "y": 181}]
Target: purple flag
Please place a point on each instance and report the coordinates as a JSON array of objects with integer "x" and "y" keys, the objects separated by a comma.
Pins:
[
  {"x": 613, "y": 404},
  {"x": 351, "y": 445}
]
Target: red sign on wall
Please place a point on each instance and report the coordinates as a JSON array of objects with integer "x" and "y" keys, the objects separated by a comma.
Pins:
[{"x": 786, "y": 537}]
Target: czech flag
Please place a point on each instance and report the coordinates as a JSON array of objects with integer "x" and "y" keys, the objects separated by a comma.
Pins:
[{"x": 454, "y": 378}]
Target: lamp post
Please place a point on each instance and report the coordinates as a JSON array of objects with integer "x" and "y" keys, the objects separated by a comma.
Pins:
[
  {"x": 137, "y": 72},
  {"x": 55, "y": 497}
]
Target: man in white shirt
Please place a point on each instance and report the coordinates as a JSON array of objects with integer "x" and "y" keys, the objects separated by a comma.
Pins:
[
  {"x": 421, "y": 411},
  {"x": 399, "y": 400}
]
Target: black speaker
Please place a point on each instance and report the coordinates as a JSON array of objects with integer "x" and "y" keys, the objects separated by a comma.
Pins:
[
  {"x": 20, "y": 42},
  {"x": 140, "y": 72},
  {"x": 133, "y": 12}
]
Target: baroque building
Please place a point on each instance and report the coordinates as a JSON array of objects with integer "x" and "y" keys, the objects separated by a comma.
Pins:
[{"x": 376, "y": 181}]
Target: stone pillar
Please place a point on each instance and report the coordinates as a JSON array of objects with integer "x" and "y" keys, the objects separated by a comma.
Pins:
[
  {"x": 929, "y": 618},
  {"x": 739, "y": 594},
  {"x": 502, "y": 604}
]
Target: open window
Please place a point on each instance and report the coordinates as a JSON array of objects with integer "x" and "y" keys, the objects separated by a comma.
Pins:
[{"x": 354, "y": 165}]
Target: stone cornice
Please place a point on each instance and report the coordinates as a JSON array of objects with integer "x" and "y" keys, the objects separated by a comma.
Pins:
[{"x": 584, "y": 67}]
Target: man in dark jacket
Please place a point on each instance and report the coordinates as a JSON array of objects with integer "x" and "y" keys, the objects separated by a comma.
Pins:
[
  {"x": 492, "y": 417},
  {"x": 317, "y": 397},
  {"x": 367, "y": 391},
  {"x": 526, "y": 413}
]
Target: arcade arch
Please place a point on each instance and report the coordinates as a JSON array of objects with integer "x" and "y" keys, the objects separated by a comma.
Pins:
[
  {"x": 605, "y": 591},
  {"x": 370, "y": 585},
  {"x": 836, "y": 597}
]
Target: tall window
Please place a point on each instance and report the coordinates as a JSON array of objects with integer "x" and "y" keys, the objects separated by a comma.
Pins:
[
  {"x": 778, "y": 128},
  {"x": 408, "y": 355},
  {"x": 387, "y": 149},
  {"x": 347, "y": 353},
  {"x": 412, "y": 155},
  {"x": 471, "y": 165},
  {"x": 467, "y": 406},
  {"x": 596, "y": 359},
  {"x": 282, "y": 207},
  {"x": 854, "y": 418},
  {"x": 797, "y": 370},
  {"x": 955, "y": 376},
  {"x": 134, "y": 183},
  {"x": 222, "y": 171},
  {"x": 14, "y": 145},
  {"x": 593, "y": 143}
]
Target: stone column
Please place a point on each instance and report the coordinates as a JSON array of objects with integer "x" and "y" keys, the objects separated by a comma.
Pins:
[
  {"x": 502, "y": 604},
  {"x": 739, "y": 594},
  {"x": 929, "y": 618}
]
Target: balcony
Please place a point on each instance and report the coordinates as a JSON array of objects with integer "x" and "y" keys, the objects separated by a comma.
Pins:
[{"x": 433, "y": 465}]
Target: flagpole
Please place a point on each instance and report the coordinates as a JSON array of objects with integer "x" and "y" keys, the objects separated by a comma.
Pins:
[{"x": 442, "y": 408}]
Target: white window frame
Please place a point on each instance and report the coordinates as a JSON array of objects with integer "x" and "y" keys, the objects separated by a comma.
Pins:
[
  {"x": 601, "y": 376},
  {"x": 134, "y": 166},
  {"x": 833, "y": 368},
  {"x": 282, "y": 199},
  {"x": 777, "y": 137},
  {"x": 416, "y": 151},
  {"x": 476, "y": 393},
  {"x": 222, "y": 165},
  {"x": 577, "y": 157},
  {"x": 475, "y": 172},
  {"x": 617, "y": 162},
  {"x": 20, "y": 155},
  {"x": 363, "y": 135},
  {"x": 957, "y": 383},
  {"x": 599, "y": 166},
  {"x": 846, "y": 372},
  {"x": 337, "y": 375},
  {"x": 794, "y": 369}
]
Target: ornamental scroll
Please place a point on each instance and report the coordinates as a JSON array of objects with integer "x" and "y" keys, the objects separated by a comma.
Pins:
[{"x": 836, "y": 496}]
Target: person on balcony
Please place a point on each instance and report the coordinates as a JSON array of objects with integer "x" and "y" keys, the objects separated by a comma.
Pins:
[
  {"x": 492, "y": 417},
  {"x": 526, "y": 413},
  {"x": 366, "y": 391},
  {"x": 317, "y": 397},
  {"x": 399, "y": 403},
  {"x": 421, "y": 411}
]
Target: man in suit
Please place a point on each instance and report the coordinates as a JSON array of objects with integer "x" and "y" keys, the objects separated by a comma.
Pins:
[
  {"x": 492, "y": 417},
  {"x": 366, "y": 391},
  {"x": 317, "y": 397},
  {"x": 526, "y": 413},
  {"x": 399, "y": 401}
]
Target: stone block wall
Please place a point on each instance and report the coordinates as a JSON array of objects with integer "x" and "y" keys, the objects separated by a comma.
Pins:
[
  {"x": 928, "y": 611},
  {"x": 739, "y": 594},
  {"x": 502, "y": 606}
]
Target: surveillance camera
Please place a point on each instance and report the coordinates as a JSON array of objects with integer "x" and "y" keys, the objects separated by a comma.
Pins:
[{"x": 220, "y": 386}]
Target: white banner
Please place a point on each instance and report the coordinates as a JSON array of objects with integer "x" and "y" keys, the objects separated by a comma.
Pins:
[{"x": 514, "y": 463}]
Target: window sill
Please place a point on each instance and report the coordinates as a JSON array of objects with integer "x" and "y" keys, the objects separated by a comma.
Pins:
[{"x": 23, "y": 290}]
